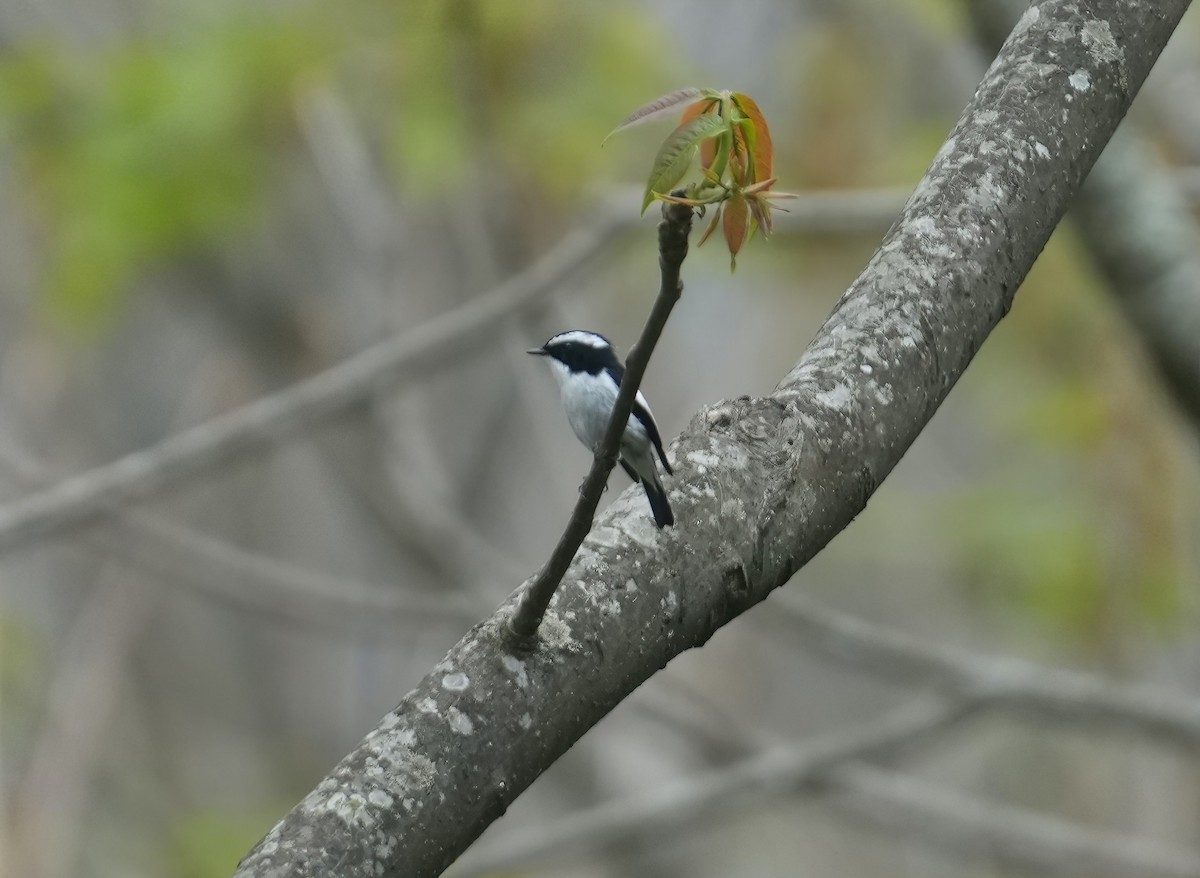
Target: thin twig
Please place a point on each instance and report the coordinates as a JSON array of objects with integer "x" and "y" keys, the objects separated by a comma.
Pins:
[
  {"x": 1054, "y": 693},
  {"x": 1140, "y": 232},
  {"x": 1014, "y": 837},
  {"x": 216, "y": 569},
  {"x": 54, "y": 794},
  {"x": 273, "y": 418},
  {"x": 672, "y": 250},
  {"x": 833, "y": 767}
]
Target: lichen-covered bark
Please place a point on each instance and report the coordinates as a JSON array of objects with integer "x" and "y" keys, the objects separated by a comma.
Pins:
[{"x": 761, "y": 484}]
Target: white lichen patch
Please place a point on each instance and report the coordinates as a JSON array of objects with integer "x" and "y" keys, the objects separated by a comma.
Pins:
[
  {"x": 1080, "y": 80},
  {"x": 865, "y": 368},
  {"x": 427, "y": 705},
  {"x": 837, "y": 397},
  {"x": 702, "y": 460},
  {"x": 459, "y": 722},
  {"x": 526, "y": 721},
  {"x": 670, "y": 603},
  {"x": 379, "y": 799},
  {"x": 516, "y": 667},
  {"x": 384, "y": 849},
  {"x": 610, "y": 607},
  {"x": 1041, "y": 150},
  {"x": 419, "y": 771},
  {"x": 556, "y": 634},
  {"x": 456, "y": 682},
  {"x": 1097, "y": 38},
  {"x": 350, "y": 809}
]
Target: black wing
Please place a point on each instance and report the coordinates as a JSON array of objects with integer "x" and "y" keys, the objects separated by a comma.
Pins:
[{"x": 617, "y": 371}]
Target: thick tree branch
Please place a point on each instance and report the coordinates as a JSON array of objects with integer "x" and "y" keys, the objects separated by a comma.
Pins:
[
  {"x": 673, "y": 233},
  {"x": 762, "y": 484}
]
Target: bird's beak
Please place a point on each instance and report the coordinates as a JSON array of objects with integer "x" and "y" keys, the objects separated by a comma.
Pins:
[{"x": 537, "y": 352}]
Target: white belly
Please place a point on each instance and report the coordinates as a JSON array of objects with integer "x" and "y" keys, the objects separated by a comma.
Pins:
[{"x": 589, "y": 404}]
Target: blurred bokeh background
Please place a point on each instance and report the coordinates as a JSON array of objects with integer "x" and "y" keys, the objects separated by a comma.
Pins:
[{"x": 202, "y": 204}]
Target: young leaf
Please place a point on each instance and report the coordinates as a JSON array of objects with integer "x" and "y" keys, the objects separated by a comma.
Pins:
[
  {"x": 712, "y": 225},
  {"x": 708, "y": 149},
  {"x": 758, "y": 138},
  {"x": 737, "y": 221},
  {"x": 656, "y": 109},
  {"x": 677, "y": 151}
]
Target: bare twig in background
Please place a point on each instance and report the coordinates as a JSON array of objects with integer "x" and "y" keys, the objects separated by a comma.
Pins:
[
  {"x": 272, "y": 418},
  {"x": 870, "y": 211},
  {"x": 53, "y": 794},
  {"x": 1053, "y": 693},
  {"x": 218, "y": 570},
  {"x": 677, "y": 806},
  {"x": 397, "y": 493},
  {"x": 969, "y": 680},
  {"x": 832, "y": 769},
  {"x": 1005, "y": 835},
  {"x": 673, "y": 233},
  {"x": 1140, "y": 232}
]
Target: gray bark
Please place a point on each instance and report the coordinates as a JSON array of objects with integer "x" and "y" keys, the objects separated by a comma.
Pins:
[{"x": 763, "y": 483}]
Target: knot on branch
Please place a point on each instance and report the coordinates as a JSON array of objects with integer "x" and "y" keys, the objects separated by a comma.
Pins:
[{"x": 673, "y": 234}]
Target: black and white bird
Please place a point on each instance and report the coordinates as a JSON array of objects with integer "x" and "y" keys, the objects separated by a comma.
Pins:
[{"x": 589, "y": 375}]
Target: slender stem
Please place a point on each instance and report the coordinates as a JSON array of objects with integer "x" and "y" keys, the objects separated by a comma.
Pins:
[{"x": 672, "y": 250}]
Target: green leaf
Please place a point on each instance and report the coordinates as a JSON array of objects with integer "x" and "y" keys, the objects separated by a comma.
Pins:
[
  {"x": 657, "y": 108},
  {"x": 677, "y": 153}
]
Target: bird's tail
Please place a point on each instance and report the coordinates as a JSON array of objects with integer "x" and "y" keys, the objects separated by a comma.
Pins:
[{"x": 658, "y": 503}]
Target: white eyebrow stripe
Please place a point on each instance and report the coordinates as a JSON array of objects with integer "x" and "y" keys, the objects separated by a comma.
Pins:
[{"x": 580, "y": 336}]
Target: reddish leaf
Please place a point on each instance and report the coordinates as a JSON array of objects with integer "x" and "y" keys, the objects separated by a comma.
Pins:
[
  {"x": 657, "y": 108},
  {"x": 737, "y": 223},
  {"x": 758, "y": 137},
  {"x": 760, "y": 214},
  {"x": 712, "y": 226},
  {"x": 708, "y": 149}
]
